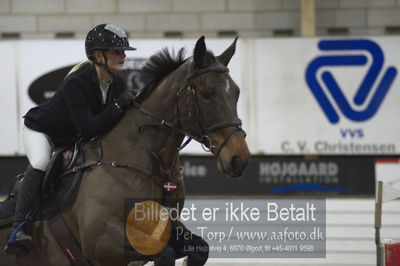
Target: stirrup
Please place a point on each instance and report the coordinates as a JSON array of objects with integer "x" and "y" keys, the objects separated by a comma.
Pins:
[
  {"x": 15, "y": 236},
  {"x": 11, "y": 238},
  {"x": 15, "y": 245}
]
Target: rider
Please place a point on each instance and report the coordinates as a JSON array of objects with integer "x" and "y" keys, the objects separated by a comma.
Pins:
[{"x": 89, "y": 101}]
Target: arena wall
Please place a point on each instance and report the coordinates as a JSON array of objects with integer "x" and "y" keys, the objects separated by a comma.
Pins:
[{"x": 191, "y": 18}]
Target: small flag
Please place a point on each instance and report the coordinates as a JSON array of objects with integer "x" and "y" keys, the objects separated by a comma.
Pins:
[{"x": 170, "y": 186}]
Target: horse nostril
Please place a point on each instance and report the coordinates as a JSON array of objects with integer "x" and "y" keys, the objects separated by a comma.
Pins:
[{"x": 236, "y": 163}]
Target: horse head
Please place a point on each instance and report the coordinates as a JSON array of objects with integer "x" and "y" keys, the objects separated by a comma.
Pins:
[{"x": 209, "y": 110}]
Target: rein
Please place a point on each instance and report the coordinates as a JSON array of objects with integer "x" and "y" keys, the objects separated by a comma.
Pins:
[
  {"x": 165, "y": 179},
  {"x": 99, "y": 161}
]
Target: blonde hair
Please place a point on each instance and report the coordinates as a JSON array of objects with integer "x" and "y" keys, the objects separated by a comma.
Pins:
[{"x": 78, "y": 66}]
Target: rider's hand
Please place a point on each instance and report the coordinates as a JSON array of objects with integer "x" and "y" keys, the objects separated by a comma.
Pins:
[{"x": 125, "y": 99}]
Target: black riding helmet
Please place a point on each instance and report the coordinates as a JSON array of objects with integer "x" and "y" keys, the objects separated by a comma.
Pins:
[{"x": 105, "y": 37}]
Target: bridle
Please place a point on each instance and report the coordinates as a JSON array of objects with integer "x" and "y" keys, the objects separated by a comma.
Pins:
[{"x": 189, "y": 90}]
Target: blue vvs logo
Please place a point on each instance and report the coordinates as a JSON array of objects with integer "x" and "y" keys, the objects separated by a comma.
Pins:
[{"x": 371, "y": 79}]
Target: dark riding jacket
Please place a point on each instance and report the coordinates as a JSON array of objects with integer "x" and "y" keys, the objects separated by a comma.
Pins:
[{"x": 76, "y": 110}]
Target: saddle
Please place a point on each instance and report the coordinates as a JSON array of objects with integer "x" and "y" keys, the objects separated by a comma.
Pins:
[{"x": 59, "y": 187}]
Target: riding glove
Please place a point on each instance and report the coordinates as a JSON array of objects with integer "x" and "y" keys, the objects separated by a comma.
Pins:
[{"x": 125, "y": 99}]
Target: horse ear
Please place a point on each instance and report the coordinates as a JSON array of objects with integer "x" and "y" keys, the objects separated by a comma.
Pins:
[
  {"x": 199, "y": 51},
  {"x": 226, "y": 56}
]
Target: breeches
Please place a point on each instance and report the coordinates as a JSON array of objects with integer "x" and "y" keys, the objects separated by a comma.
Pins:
[{"x": 38, "y": 148}]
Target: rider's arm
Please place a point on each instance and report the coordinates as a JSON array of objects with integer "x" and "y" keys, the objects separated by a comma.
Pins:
[{"x": 87, "y": 124}]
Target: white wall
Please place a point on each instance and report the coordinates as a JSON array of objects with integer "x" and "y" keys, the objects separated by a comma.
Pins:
[
  {"x": 278, "y": 109},
  {"x": 8, "y": 101}
]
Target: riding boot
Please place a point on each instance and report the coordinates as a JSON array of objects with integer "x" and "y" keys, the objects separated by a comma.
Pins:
[{"x": 28, "y": 194}]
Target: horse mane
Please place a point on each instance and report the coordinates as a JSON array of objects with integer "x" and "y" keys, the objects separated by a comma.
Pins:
[{"x": 158, "y": 67}]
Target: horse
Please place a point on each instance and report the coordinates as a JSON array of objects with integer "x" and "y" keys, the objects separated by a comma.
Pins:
[{"x": 193, "y": 98}]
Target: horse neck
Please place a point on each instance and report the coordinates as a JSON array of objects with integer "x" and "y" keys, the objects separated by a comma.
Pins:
[{"x": 125, "y": 141}]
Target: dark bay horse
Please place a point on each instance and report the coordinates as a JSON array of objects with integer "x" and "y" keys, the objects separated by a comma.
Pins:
[{"x": 195, "y": 97}]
